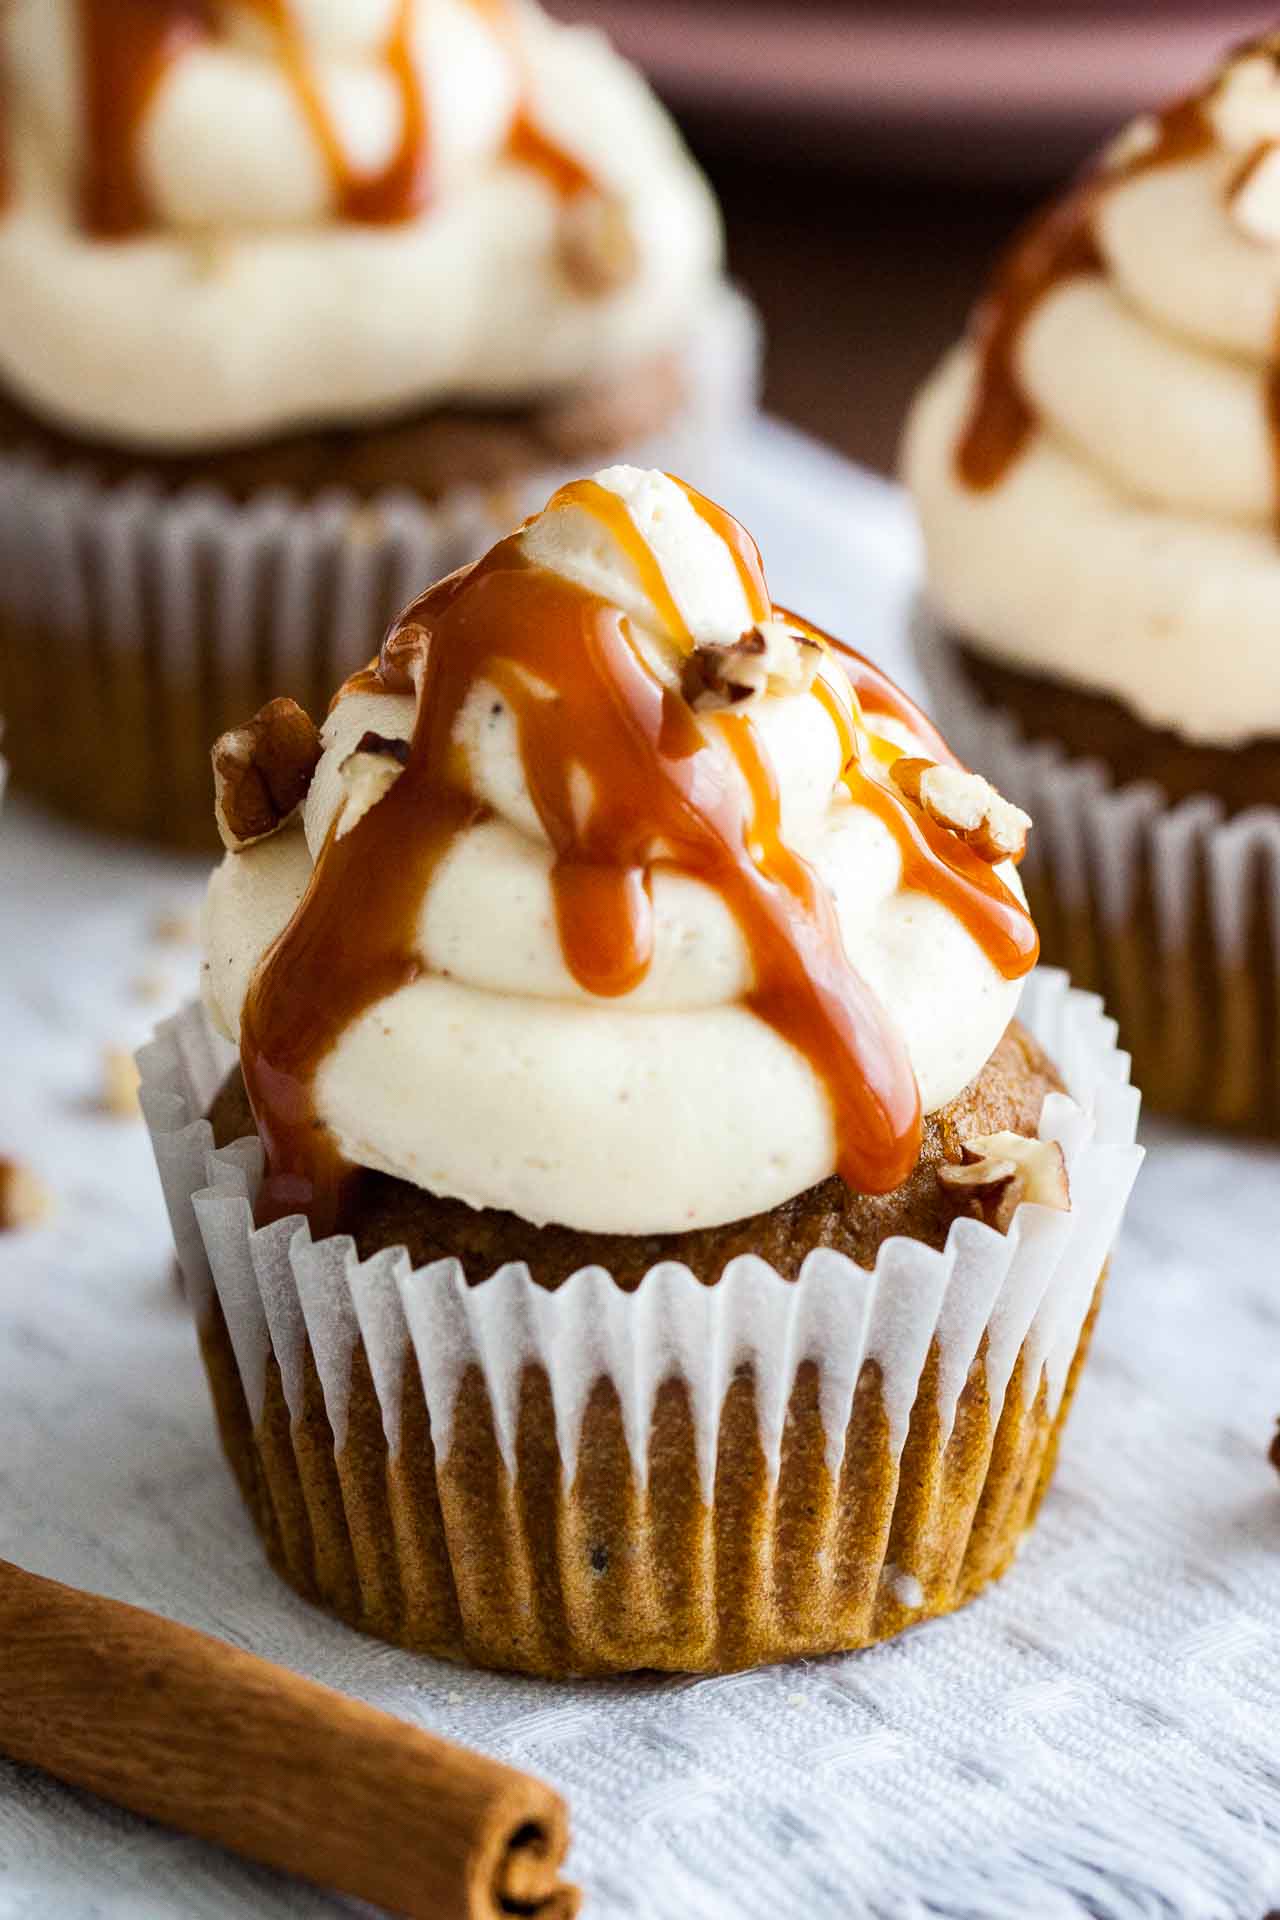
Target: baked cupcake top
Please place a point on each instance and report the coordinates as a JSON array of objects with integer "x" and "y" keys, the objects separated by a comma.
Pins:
[
  {"x": 1097, "y": 467},
  {"x": 610, "y": 894},
  {"x": 227, "y": 218}
]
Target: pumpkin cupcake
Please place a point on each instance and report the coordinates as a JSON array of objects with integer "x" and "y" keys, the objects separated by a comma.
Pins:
[
  {"x": 633, "y": 1225},
  {"x": 305, "y": 299},
  {"x": 1096, "y": 471}
]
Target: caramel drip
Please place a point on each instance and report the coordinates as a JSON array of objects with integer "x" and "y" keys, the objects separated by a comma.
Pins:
[
  {"x": 612, "y": 513},
  {"x": 128, "y": 46},
  {"x": 876, "y": 692},
  {"x": 527, "y": 144},
  {"x": 933, "y": 861},
  {"x": 746, "y": 554},
  {"x": 530, "y": 147},
  {"x": 126, "y": 49},
  {"x": 1059, "y": 245},
  {"x": 939, "y": 864},
  {"x": 402, "y": 188},
  {"x": 1252, "y": 163},
  {"x": 624, "y": 780}
]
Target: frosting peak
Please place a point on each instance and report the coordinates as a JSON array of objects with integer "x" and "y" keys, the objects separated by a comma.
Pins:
[
  {"x": 582, "y": 951},
  {"x": 1098, "y": 467},
  {"x": 465, "y": 201}
]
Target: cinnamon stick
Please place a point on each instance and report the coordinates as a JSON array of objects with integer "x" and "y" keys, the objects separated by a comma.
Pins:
[{"x": 194, "y": 1733}]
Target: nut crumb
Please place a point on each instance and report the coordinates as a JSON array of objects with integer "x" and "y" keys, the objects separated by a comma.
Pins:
[
  {"x": 1273, "y": 1454},
  {"x": 262, "y": 771},
  {"x": 150, "y": 988},
  {"x": 25, "y": 1200},
  {"x": 998, "y": 1171},
  {"x": 178, "y": 928},
  {"x": 118, "y": 1093},
  {"x": 369, "y": 772},
  {"x": 769, "y": 658},
  {"x": 965, "y": 804},
  {"x": 597, "y": 244}
]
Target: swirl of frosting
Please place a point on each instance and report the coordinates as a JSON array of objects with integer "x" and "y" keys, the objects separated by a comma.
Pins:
[
  {"x": 598, "y": 955},
  {"x": 227, "y": 218},
  {"x": 1097, "y": 469}
]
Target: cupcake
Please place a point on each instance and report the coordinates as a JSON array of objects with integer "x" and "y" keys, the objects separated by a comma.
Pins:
[
  {"x": 305, "y": 301},
  {"x": 628, "y": 1220},
  {"x": 1096, "y": 475}
]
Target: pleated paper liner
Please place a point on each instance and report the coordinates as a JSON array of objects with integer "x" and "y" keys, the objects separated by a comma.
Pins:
[
  {"x": 136, "y": 627},
  {"x": 685, "y": 1477},
  {"x": 1172, "y": 912}
]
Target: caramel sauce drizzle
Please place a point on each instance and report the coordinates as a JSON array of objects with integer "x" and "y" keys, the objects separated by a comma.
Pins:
[
  {"x": 404, "y": 185},
  {"x": 128, "y": 47},
  {"x": 1058, "y": 245},
  {"x": 583, "y": 697}
]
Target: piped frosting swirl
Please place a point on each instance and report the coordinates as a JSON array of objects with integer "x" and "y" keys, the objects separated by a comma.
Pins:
[
  {"x": 226, "y": 218},
  {"x": 1097, "y": 468},
  {"x": 592, "y": 955}
]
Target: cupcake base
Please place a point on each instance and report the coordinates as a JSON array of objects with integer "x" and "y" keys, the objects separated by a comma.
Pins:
[
  {"x": 598, "y": 1574},
  {"x": 696, "y": 1472},
  {"x": 1163, "y": 899},
  {"x": 147, "y": 608}
]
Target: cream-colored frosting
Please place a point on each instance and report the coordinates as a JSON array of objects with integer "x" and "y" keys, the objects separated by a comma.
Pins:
[
  {"x": 495, "y": 1076},
  {"x": 250, "y": 307},
  {"x": 1132, "y": 545}
]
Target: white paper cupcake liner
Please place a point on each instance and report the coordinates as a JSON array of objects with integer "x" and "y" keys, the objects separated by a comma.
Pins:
[
  {"x": 1171, "y": 911},
  {"x": 1014, "y": 1302},
  {"x": 160, "y": 620}
]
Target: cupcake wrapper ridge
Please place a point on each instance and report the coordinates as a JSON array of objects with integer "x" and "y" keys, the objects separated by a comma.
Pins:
[
  {"x": 683, "y": 1476},
  {"x": 1171, "y": 911},
  {"x": 136, "y": 627}
]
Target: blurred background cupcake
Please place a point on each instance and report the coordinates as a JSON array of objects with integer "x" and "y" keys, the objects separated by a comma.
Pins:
[
  {"x": 304, "y": 299},
  {"x": 1096, "y": 472}
]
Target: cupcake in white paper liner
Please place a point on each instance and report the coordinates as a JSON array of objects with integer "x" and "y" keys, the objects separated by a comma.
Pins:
[
  {"x": 1095, "y": 471},
  {"x": 136, "y": 626},
  {"x": 684, "y": 1475},
  {"x": 1171, "y": 911},
  {"x": 253, "y": 394},
  {"x": 640, "y": 1229}
]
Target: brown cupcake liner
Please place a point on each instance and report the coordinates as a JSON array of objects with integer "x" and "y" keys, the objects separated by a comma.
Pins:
[
  {"x": 683, "y": 1477},
  {"x": 136, "y": 626},
  {"x": 1170, "y": 911}
]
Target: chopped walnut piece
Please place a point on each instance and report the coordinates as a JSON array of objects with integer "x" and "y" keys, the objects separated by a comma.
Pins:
[
  {"x": 118, "y": 1093},
  {"x": 372, "y": 767},
  {"x": 1040, "y": 1165},
  {"x": 597, "y": 244},
  {"x": 989, "y": 1190},
  {"x": 24, "y": 1198},
  {"x": 998, "y": 1171},
  {"x": 262, "y": 772},
  {"x": 966, "y": 805},
  {"x": 769, "y": 658}
]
